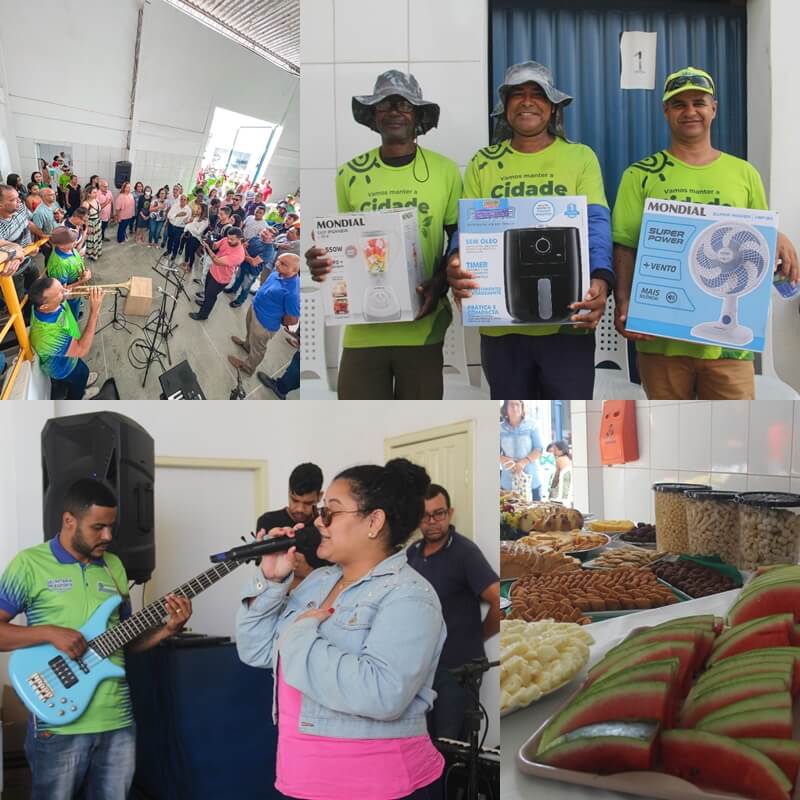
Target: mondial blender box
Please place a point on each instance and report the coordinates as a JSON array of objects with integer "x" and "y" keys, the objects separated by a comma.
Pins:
[
  {"x": 377, "y": 266},
  {"x": 530, "y": 257}
]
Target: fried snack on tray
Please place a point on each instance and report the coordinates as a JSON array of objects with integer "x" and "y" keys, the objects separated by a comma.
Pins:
[
  {"x": 627, "y": 556},
  {"x": 611, "y": 525},
  {"x": 518, "y": 559},
  {"x": 569, "y": 596},
  {"x": 538, "y": 657},
  {"x": 571, "y": 541}
]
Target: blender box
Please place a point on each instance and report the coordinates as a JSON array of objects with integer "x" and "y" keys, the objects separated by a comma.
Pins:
[
  {"x": 529, "y": 255},
  {"x": 704, "y": 273},
  {"x": 377, "y": 266}
]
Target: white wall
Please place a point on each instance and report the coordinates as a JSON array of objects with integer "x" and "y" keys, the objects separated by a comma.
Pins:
[
  {"x": 82, "y": 97},
  {"x": 333, "y": 436},
  {"x": 736, "y": 445},
  {"x": 443, "y": 43}
]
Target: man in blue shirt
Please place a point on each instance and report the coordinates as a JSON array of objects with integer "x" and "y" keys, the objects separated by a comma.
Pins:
[
  {"x": 462, "y": 578},
  {"x": 276, "y": 303},
  {"x": 259, "y": 255}
]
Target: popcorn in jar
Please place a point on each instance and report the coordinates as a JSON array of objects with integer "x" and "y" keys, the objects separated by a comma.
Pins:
[
  {"x": 712, "y": 520},
  {"x": 769, "y": 529},
  {"x": 671, "y": 528}
]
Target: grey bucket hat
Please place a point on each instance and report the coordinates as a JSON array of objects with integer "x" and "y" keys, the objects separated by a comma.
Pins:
[
  {"x": 395, "y": 83},
  {"x": 529, "y": 72}
]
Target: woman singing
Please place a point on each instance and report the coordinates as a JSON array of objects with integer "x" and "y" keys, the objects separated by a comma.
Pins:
[{"x": 354, "y": 647}]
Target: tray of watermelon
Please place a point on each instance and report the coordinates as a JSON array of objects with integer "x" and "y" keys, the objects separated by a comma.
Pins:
[{"x": 694, "y": 708}]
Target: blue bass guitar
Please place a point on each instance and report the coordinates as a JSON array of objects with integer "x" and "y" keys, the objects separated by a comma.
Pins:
[{"x": 58, "y": 689}]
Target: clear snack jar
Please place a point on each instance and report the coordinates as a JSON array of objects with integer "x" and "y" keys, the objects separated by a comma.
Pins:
[
  {"x": 769, "y": 528},
  {"x": 670, "y": 502},
  {"x": 712, "y": 520}
]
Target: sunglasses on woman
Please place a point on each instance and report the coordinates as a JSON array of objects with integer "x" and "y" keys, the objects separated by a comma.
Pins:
[{"x": 326, "y": 515}]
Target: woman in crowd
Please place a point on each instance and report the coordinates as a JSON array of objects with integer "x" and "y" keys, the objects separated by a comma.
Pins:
[
  {"x": 194, "y": 232},
  {"x": 33, "y": 198},
  {"x": 353, "y": 671},
  {"x": 15, "y": 182},
  {"x": 93, "y": 181},
  {"x": 158, "y": 213},
  {"x": 138, "y": 191},
  {"x": 561, "y": 485},
  {"x": 78, "y": 222},
  {"x": 72, "y": 194},
  {"x": 520, "y": 448},
  {"x": 41, "y": 179},
  {"x": 143, "y": 205},
  {"x": 94, "y": 233},
  {"x": 125, "y": 210}
]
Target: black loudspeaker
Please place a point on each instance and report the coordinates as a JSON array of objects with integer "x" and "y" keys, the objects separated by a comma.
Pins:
[
  {"x": 122, "y": 173},
  {"x": 117, "y": 451}
]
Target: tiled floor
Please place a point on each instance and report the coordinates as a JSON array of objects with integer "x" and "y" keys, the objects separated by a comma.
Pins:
[{"x": 205, "y": 345}]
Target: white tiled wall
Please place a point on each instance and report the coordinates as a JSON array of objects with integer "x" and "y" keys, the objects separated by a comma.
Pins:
[
  {"x": 443, "y": 43},
  {"x": 735, "y": 445}
]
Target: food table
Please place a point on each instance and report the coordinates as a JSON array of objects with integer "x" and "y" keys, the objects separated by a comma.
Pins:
[{"x": 516, "y": 728}]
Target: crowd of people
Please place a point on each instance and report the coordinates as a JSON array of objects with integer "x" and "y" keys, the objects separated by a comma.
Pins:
[{"x": 224, "y": 232}]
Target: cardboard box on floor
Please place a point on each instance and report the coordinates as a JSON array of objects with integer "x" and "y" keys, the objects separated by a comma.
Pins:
[
  {"x": 377, "y": 266},
  {"x": 140, "y": 297}
]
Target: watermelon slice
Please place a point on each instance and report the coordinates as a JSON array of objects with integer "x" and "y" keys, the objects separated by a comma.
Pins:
[
  {"x": 760, "y": 633},
  {"x": 782, "y": 673},
  {"x": 718, "y": 762},
  {"x": 701, "y": 704},
  {"x": 604, "y": 748},
  {"x": 703, "y": 641},
  {"x": 786, "y": 754},
  {"x": 654, "y": 651},
  {"x": 779, "y": 699},
  {"x": 766, "y": 600},
  {"x": 706, "y": 621},
  {"x": 664, "y": 670},
  {"x": 770, "y": 723},
  {"x": 640, "y": 701},
  {"x": 751, "y": 657}
]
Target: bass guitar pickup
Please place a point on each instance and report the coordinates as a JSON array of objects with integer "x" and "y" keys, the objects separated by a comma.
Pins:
[{"x": 63, "y": 672}]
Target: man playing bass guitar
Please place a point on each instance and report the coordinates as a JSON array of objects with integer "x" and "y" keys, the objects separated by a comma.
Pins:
[{"x": 58, "y": 585}]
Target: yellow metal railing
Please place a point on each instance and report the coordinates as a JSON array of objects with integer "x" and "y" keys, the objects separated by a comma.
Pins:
[{"x": 9, "y": 292}]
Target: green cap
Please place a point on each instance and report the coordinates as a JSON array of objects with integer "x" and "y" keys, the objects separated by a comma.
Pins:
[{"x": 688, "y": 79}]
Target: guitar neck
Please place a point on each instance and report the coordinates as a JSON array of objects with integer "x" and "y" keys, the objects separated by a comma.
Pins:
[{"x": 153, "y": 615}]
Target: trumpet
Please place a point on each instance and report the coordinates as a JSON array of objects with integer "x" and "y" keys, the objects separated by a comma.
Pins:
[{"x": 108, "y": 288}]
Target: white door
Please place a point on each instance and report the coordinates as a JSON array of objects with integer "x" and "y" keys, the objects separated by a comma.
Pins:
[{"x": 447, "y": 453}]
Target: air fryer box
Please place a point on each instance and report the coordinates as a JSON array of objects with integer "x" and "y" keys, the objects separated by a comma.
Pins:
[
  {"x": 377, "y": 266},
  {"x": 529, "y": 255},
  {"x": 704, "y": 274}
]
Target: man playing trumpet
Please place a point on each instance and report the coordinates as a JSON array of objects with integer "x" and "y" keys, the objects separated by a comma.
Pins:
[
  {"x": 58, "y": 342},
  {"x": 65, "y": 264}
]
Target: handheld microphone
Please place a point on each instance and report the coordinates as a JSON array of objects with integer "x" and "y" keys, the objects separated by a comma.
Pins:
[{"x": 265, "y": 547}]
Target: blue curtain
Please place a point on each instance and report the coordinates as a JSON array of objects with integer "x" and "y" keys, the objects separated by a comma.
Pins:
[{"x": 579, "y": 41}]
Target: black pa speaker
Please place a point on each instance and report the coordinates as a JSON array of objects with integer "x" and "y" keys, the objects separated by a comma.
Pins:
[
  {"x": 122, "y": 173},
  {"x": 117, "y": 451}
]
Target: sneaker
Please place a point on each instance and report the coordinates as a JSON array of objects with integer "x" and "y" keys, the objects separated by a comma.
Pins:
[
  {"x": 195, "y": 315},
  {"x": 235, "y": 304},
  {"x": 90, "y": 394},
  {"x": 271, "y": 385},
  {"x": 237, "y": 363},
  {"x": 93, "y": 376}
]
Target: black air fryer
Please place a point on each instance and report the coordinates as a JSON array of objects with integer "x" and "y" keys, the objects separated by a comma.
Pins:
[{"x": 542, "y": 273}]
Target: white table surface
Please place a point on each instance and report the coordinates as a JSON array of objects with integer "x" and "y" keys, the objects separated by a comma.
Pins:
[{"x": 518, "y": 727}]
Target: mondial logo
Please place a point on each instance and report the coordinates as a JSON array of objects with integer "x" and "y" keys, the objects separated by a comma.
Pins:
[{"x": 343, "y": 222}]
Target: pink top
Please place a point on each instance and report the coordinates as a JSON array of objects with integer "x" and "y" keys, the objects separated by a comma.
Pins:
[
  {"x": 232, "y": 257},
  {"x": 103, "y": 197},
  {"x": 343, "y": 769},
  {"x": 125, "y": 205}
]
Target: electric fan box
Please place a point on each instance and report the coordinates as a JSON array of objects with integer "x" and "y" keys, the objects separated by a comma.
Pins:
[
  {"x": 529, "y": 255},
  {"x": 377, "y": 266},
  {"x": 704, "y": 274}
]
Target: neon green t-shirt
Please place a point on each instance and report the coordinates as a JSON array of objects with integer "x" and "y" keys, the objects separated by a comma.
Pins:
[
  {"x": 65, "y": 267},
  {"x": 431, "y": 183},
  {"x": 562, "y": 168},
  {"x": 727, "y": 181},
  {"x": 51, "y": 335},
  {"x": 51, "y": 588}
]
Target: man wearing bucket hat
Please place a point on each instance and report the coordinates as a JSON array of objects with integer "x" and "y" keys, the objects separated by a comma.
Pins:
[
  {"x": 66, "y": 265},
  {"x": 690, "y": 170},
  {"x": 533, "y": 156},
  {"x": 398, "y": 360}
]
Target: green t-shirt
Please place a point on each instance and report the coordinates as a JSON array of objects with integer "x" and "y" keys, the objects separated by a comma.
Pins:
[
  {"x": 727, "y": 181},
  {"x": 51, "y": 588},
  {"x": 65, "y": 267},
  {"x": 51, "y": 336},
  {"x": 562, "y": 168},
  {"x": 431, "y": 183},
  {"x": 64, "y": 179}
]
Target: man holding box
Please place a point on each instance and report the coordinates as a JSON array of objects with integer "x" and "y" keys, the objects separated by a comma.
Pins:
[
  {"x": 398, "y": 360},
  {"x": 533, "y": 157},
  {"x": 689, "y": 170}
]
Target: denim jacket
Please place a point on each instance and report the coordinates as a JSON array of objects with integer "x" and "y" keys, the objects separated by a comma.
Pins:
[
  {"x": 517, "y": 443},
  {"x": 366, "y": 672}
]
